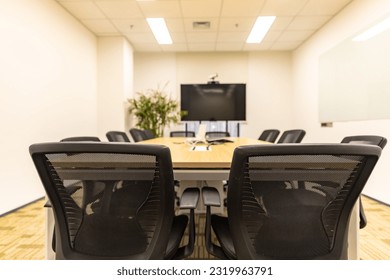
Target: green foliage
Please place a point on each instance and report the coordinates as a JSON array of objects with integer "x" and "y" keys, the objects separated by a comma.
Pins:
[{"x": 154, "y": 110}]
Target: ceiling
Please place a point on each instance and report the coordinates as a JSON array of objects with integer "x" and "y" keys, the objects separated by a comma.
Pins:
[{"x": 230, "y": 22}]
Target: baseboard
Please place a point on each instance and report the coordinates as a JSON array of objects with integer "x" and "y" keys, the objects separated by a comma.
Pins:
[
  {"x": 24, "y": 205},
  {"x": 376, "y": 200}
]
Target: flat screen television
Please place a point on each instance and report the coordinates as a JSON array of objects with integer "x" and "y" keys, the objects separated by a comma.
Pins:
[{"x": 213, "y": 102}]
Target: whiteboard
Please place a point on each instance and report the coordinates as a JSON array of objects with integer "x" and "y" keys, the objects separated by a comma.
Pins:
[{"x": 354, "y": 80}]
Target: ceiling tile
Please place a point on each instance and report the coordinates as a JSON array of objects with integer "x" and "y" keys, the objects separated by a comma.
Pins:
[
  {"x": 141, "y": 38},
  {"x": 308, "y": 22},
  {"x": 236, "y": 24},
  {"x": 285, "y": 46},
  {"x": 201, "y": 47},
  {"x": 146, "y": 47},
  {"x": 131, "y": 25},
  {"x": 231, "y": 37},
  {"x": 264, "y": 46},
  {"x": 83, "y": 9},
  {"x": 160, "y": 8},
  {"x": 281, "y": 23},
  {"x": 295, "y": 35},
  {"x": 246, "y": 8},
  {"x": 272, "y": 36},
  {"x": 208, "y": 37},
  {"x": 119, "y": 9},
  {"x": 100, "y": 26},
  {"x": 201, "y": 8},
  {"x": 178, "y": 38},
  {"x": 229, "y": 47},
  {"x": 175, "y": 48},
  {"x": 323, "y": 7},
  {"x": 282, "y": 7},
  {"x": 175, "y": 24}
]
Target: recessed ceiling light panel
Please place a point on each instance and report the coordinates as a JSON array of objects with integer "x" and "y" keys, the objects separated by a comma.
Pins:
[
  {"x": 260, "y": 29},
  {"x": 160, "y": 30}
]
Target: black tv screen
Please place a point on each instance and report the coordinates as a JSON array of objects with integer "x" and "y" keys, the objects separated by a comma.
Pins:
[{"x": 213, "y": 102}]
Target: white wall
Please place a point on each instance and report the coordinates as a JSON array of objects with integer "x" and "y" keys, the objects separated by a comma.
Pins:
[
  {"x": 115, "y": 83},
  {"x": 155, "y": 70},
  {"x": 269, "y": 93},
  {"x": 267, "y": 75},
  {"x": 358, "y": 15},
  {"x": 47, "y": 89}
]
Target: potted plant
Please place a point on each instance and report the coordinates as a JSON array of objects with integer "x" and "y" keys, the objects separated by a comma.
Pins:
[{"x": 154, "y": 110}]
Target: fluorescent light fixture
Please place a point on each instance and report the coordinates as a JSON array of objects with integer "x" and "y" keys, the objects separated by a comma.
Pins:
[
  {"x": 260, "y": 29},
  {"x": 373, "y": 31},
  {"x": 160, "y": 30}
]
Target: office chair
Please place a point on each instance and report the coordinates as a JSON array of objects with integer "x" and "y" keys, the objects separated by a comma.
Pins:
[
  {"x": 81, "y": 139},
  {"x": 369, "y": 140},
  {"x": 132, "y": 215},
  {"x": 117, "y": 136},
  {"x": 184, "y": 133},
  {"x": 216, "y": 134},
  {"x": 137, "y": 134},
  {"x": 366, "y": 139},
  {"x": 71, "y": 188},
  {"x": 292, "y": 136},
  {"x": 149, "y": 134},
  {"x": 269, "y": 135},
  {"x": 289, "y": 201}
]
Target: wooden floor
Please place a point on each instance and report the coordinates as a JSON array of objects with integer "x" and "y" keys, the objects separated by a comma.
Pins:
[
  {"x": 375, "y": 237},
  {"x": 22, "y": 234}
]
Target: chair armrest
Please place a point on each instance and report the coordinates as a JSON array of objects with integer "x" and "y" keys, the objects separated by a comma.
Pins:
[
  {"x": 211, "y": 197},
  {"x": 189, "y": 199}
]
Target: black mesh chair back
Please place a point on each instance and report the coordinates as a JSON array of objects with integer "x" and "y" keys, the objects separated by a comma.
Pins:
[
  {"x": 117, "y": 136},
  {"x": 138, "y": 134},
  {"x": 81, "y": 139},
  {"x": 366, "y": 139},
  {"x": 184, "y": 133},
  {"x": 292, "y": 136},
  {"x": 369, "y": 140},
  {"x": 269, "y": 135},
  {"x": 124, "y": 206},
  {"x": 293, "y": 201},
  {"x": 148, "y": 134},
  {"x": 216, "y": 134}
]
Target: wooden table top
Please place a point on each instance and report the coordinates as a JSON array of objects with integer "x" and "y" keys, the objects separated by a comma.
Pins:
[{"x": 216, "y": 156}]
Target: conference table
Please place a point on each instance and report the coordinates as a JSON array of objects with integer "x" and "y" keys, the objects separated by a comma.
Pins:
[
  {"x": 201, "y": 161},
  {"x": 187, "y": 153},
  {"x": 200, "y": 164}
]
